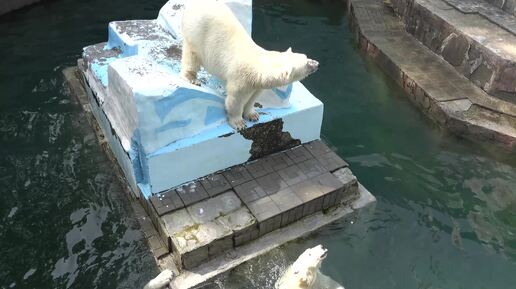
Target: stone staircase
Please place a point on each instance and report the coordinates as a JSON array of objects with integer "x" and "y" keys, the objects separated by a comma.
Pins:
[
  {"x": 458, "y": 67},
  {"x": 475, "y": 37}
]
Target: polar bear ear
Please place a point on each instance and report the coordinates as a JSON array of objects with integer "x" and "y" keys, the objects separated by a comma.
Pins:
[{"x": 289, "y": 50}]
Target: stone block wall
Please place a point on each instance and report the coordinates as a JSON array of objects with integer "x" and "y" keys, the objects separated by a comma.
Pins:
[
  {"x": 490, "y": 70},
  {"x": 507, "y": 5}
]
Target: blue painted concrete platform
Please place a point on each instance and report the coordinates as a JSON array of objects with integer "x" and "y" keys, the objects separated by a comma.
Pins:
[{"x": 163, "y": 130}]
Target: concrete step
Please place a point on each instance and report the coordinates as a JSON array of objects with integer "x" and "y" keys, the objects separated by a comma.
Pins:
[
  {"x": 435, "y": 86},
  {"x": 207, "y": 217},
  {"x": 475, "y": 37}
]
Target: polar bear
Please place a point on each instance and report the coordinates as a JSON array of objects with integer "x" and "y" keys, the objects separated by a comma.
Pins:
[
  {"x": 215, "y": 39},
  {"x": 304, "y": 272},
  {"x": 162, "y": 280}
]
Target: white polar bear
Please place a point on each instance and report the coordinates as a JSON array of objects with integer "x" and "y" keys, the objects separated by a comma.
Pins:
[
  {"x": 304, "y": 272},
  {"x": 215, "y": 39},
  {"x": 162, "y": 280}
]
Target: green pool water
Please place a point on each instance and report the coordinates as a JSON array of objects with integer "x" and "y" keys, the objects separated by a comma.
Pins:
[{"x": 446, "y": 210}]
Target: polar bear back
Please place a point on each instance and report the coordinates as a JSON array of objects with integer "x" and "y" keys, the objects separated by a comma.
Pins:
[{"x": 216, "y": 36}]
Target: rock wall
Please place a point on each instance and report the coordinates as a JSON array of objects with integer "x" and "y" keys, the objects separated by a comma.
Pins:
[
  {"x": 507, "y": 5},
  {"x": 490, "y": 69}
]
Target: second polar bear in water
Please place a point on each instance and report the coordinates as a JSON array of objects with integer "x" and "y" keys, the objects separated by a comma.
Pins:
[
  {"x": 304, "y": 273},
  {"x": 215, "y": 39}
]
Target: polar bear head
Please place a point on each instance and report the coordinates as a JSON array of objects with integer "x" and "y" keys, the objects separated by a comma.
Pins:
[
  {"x": 286, "y": 67},
  {"x": 300, "y": 66},
  {"x": 302, "y": 274}
]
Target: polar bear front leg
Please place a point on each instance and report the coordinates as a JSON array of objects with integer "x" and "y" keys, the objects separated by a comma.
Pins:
[
  {"x": 190, "y": 64},
  {"x": 234, "y": 104},
  {"x": 249, "y": 110}
]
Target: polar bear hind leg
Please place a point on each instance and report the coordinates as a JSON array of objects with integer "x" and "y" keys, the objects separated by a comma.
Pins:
[
  {"x": 249, "y": 110},
  {"x": 190, "y": 64}
]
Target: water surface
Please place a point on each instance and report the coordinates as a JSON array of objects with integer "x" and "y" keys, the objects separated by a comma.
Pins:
[{"x": 446, "y": 210}]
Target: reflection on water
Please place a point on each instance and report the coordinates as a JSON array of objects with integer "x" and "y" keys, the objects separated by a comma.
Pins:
[{"x": 446, "y": 211}]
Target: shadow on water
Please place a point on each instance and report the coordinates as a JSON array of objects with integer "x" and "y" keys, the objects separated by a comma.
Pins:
[{"x": 445, "y": 216}]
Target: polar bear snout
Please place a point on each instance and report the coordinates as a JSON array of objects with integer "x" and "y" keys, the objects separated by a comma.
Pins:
[{"x": 312, "y": 65}]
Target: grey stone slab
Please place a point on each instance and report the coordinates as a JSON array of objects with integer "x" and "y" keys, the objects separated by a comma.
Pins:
[
  {"x": 259, "y": 168},
  {"x": 166, "y": 202},
  {"x": 215, "y": 184},
  {"x": 328, "y": 183},
  {"x": 269, "y": 225},
  {"x": 286, "y": 199},
  {"x": 209, "y": 209},
  {"x": 278, "y": 161},
  {"x": 243, "y": 225},
  {"x": 331, "y": 199},
  {"x": 307, "y": 190},
  {"x": 237, "y": 175},
  {"x": 311, "y": 194},
  {"x": 349, "y": 190},
  {"x": 266, "y": 213},
  {"x": 191, "y": 193},
  {"x": 192, "y": 244},
  {"x": 292, "y": 175},
  {"x": 194, "y": 258},
  {"x": 263, "y": 208},
  {"x": 177, "y": 221},
  {"x": 247, "y": 236},
  {"x": 272, "y": 183},
  {"x": 317, "y": 147},
  {"x": 292, "y": 215},
  {"x": 313, "y": 206},
  {"x": 298, "y": 154},
  {"x": 220, "y": 246},
  {"x": 332, "y": 189},
  {"x": 312, "y": 168},
  {"x": 331, "y": 161},
  {"x": 250, "y": 191},
  {"x": 238, "y": 221},
  {"x": 290, "y": 205}
]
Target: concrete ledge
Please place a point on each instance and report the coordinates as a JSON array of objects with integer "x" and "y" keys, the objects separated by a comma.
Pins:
[
  {"x": 233, "y": 258},
  {"x": 476, "y": 38},
  {"x": 433, "y": 85},
  {"x": 202, "y": 219}
]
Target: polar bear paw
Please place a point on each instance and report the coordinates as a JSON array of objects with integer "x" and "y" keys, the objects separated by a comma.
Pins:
[
  {"x": 252, "y": 116},
  {"x": 237, "y": 123},
  {"x": 195, "y": 81},
  {"x": 162, "y": 280},
  {"x": 191, "y": 79}
]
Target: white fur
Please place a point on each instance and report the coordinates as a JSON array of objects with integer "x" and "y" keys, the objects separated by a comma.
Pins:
[
  {"x": 304, "y": 272},
  {"x": 215, "y": 39},
  {"x": 162, "y": 280}
]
